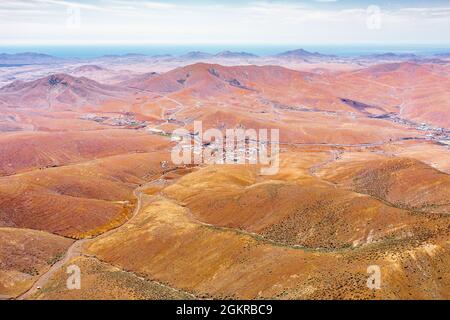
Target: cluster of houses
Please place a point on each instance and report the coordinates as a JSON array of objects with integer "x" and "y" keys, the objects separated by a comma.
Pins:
[
  {"x": 438, "y": 134},
  {"x": 218, "y": 152},
  {"x": 126, "y": 120},
  {"x": 432, "y": 133}
]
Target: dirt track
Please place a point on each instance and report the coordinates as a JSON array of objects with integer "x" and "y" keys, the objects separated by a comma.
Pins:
[{"x": 75, "y": 250}]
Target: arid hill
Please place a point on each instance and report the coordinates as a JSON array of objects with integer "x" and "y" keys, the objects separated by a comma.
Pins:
[
  {"x": 86, "y": 178},
  {"x": 36, "y": 150},
  {"x": 211, "y": 80},
  {"x": 210, "y": 232},
  {"x": 24, "y": 255},
  {"x": 417, "y": 92},
  {"x": 406, "y": 183},
  {"x": 77, "y": 200},
  {"x": 59, "y": 91}
]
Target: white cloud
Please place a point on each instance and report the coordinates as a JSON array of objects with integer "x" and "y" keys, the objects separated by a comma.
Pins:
[
  {"x": 159, "y": 5},
  {"x": 66, "y": 4},
  {"x": 425, "y": 13},
  {"x": 253, "y": 22}
]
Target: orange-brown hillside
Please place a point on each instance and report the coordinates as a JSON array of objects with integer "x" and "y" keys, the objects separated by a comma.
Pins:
[
  {"x": 25, "y": 151},
  {"x": 404, "y": 182},
  {"x": 24, "y": 255},
  {"x": 85, "y": 174},
  {"x": 215, "y": 233},
  {"x": 77, "y": 200}
]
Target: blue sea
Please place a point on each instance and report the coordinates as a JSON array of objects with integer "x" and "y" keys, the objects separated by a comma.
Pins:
[{"x": 93, "y": 51}]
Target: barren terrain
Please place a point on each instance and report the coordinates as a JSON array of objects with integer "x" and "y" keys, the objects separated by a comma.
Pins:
[{"x": 87, "y": 179}]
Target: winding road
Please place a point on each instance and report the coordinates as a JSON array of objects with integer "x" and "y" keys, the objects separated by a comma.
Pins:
[{"x": 75, "y": 250}]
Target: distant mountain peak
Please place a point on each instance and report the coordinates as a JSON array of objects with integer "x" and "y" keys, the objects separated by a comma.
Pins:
[
  {"x": 196, "y": 55},
  {"x": 27, "y": 58},
  {"x": 302, "y": 53},
  {"x": 231, "y": 54},
  {"x": 88, "y": 68},
  {"x": 391, "y": 55},
  {"x": 60, "y": 90}
]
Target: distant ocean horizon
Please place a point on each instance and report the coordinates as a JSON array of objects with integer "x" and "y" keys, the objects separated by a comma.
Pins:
[{"x": 94, "y": 51}]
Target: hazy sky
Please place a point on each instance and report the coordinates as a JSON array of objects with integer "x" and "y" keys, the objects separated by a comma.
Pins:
[{"x": 221, "y": 22}]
